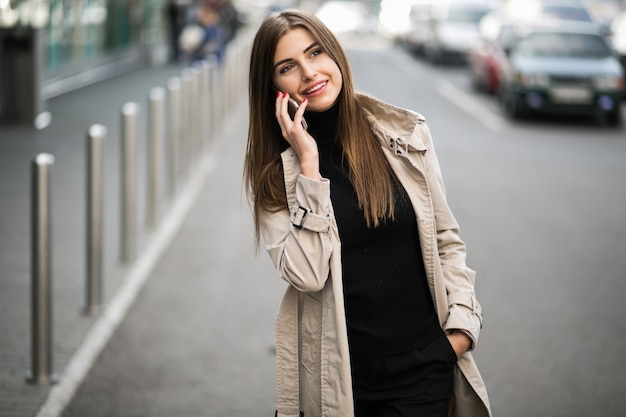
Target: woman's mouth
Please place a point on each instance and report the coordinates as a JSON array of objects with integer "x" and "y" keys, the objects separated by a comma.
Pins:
[{"x": 316, "y": 89}]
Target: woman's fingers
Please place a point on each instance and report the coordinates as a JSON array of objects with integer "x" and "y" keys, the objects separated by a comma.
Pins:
[
  {"x": 278, "y": 111},
  {"x": 282, "y": 115},
  {"x": 299, "y": 114},
  {"x": 290, "y": 129},
  {"x": 298, "y": 138}
]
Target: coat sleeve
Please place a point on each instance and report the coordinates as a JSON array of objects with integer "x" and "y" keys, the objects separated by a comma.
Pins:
[
  {"x": 465, "y": 312},
  {"x": 298, "y": 239}
]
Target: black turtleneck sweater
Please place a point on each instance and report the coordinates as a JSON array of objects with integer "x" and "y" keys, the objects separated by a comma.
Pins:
[{"x": 388, "y": 305}]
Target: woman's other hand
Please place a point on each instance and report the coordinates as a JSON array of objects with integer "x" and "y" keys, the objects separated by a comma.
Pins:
[{"x": 460, "y": 342}]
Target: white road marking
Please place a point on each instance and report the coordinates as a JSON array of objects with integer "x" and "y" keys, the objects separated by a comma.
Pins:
[
  {"x": 470, "y": 105},
  {"x": 454, "y": 94}
]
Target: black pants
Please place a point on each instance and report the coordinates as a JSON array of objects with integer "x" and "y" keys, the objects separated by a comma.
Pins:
[{"x": 412, "y": 384}]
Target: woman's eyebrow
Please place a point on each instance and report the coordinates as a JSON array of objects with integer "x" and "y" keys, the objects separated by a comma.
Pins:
[{"x": 308, "y": 48}]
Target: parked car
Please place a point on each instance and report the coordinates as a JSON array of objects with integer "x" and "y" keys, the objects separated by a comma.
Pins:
[
  {"x": 453, "y": 29},
  {"x": 417, "y": 31},
  {"x": 565, "y": 11},
  {"x": 618, "y": 39},
  {"x": 564, "y": 69},
  {"x": 500, "y": 29},
  {"x": 535, "y": 10},
  {"x": 486, "y": 57}
]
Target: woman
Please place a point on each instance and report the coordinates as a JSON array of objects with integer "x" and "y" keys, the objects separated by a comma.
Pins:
[{"x": 380, "y": 313}]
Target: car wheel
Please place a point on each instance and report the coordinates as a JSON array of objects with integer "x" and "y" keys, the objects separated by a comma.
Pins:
[
  {"x": 476, "y": 83},
  {"x": 514, "y": 106},
  {"x": 432, "y": 56}
]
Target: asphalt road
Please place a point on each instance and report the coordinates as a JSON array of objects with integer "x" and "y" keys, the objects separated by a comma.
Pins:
[{"x": 541, "y": 206}]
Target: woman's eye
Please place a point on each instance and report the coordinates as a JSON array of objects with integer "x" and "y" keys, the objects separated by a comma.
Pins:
[
  {"x": 286, "y": 68},
  {"x": 316, "y": 52}
]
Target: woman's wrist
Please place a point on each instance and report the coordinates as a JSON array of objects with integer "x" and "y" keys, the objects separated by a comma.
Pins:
[
  {"x": 460, "y": 341},
  {"x": 311, "y": 169}
]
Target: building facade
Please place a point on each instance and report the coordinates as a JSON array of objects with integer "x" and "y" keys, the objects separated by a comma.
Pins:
[{"x": 49, "y": 47}]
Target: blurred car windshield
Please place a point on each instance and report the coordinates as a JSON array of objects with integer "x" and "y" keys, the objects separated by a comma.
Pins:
[
  {"x": 467, "y": 13},
  {"x": 564, "y": 45},
  {"x": 566, "y": 13},
  {"x": 471, "y": 15}
]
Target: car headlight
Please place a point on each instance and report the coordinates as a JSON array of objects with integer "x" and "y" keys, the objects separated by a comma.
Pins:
[
  {"x": 533, "y": 80},
  {"x": 608, "y": 83}
]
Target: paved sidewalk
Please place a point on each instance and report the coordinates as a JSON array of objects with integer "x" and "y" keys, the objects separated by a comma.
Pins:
[
  {"x": 65, "y": 138},
  {"x": 199, "y": 339}
]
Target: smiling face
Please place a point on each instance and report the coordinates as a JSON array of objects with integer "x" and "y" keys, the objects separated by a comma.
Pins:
[{"x": 305, "y": 71}]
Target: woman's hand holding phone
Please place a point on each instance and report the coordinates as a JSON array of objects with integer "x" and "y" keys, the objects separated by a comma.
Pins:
[{"x": 294, "y": 132}]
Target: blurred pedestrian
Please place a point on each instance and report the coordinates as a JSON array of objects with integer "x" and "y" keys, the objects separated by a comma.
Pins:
[
  {"x": 176, "y": 12},
  {"x": 380, "y": 313},
  {"x": 230, "y": 18},
  {"x": 203, "y": 35}
]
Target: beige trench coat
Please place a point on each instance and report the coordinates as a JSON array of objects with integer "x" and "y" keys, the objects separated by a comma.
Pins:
[{"x": 313, "y": 362}]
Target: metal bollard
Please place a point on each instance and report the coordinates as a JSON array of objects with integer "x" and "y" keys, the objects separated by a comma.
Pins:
[
  {"x": 130, "y": 112},
  {"x": 230, "y": 87},
  {"x": 224, "y": 90},
  {"x": 206, "y": 94},
  {"x": 236, "y": 81},
  {"x": 96, "y": 136},
  {"x": 194, "y": 114},
  {"x": 203, "y": 101},
  {"x": 156, "y": 133},
  {"x": 174, "y": 127},
  {"x": 212, "y": 97},
  {"x": 224, "y": 85},
  {"x": 216, "y": 96},
  {"x": 243, "y": 72},
  {"x": 41, "y": 272},
  {"x": 186, "y": 118}
]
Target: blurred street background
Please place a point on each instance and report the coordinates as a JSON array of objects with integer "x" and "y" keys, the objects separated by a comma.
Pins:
[{"x": 525, "y": 102}]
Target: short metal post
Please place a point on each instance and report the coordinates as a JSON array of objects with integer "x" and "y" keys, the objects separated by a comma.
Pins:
[
  {"x": 156, "y": 133},
  {"x": 195, "y": 113},
  {"x": 203, "y": 102},
  {"x": 228, "y": 80},
  {"x": 187, "y": 119},
  {"x": 41, "y": 271},
  {"x": 174, "y": 128},
  {"x": 243, "y": 65},
  {"x": 212, "y": 99},
  {"x": 192, "y": 109},
  {"x": 221, "y": 91},
  {"x": 130, "y": 113},
  {"x": 202, "y": 108},
  {"x": 96, "y": 136}
]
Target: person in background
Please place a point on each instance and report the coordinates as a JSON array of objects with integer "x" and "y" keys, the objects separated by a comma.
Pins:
[
  {"x": 176, "y": 13},
  {"x": 212, "y": 42},
  {"x": 230, "y": 18},
  {"x": 213, "y": 25},
  {"x": 380, "y": 314}
]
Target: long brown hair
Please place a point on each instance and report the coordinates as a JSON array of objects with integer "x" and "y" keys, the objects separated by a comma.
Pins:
[{"x": 370, "y": 172}]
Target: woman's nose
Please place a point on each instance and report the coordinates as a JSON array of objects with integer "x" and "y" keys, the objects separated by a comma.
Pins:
[{"x": 308, "y": 73}]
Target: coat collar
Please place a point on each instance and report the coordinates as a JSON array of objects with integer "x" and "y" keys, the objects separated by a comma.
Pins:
[
  {"x": 396, "y": 126},
  {"x": 399, "y": 129}
]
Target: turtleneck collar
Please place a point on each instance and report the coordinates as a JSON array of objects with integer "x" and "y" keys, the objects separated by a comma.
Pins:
[{"x": 323, "y": 125}]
